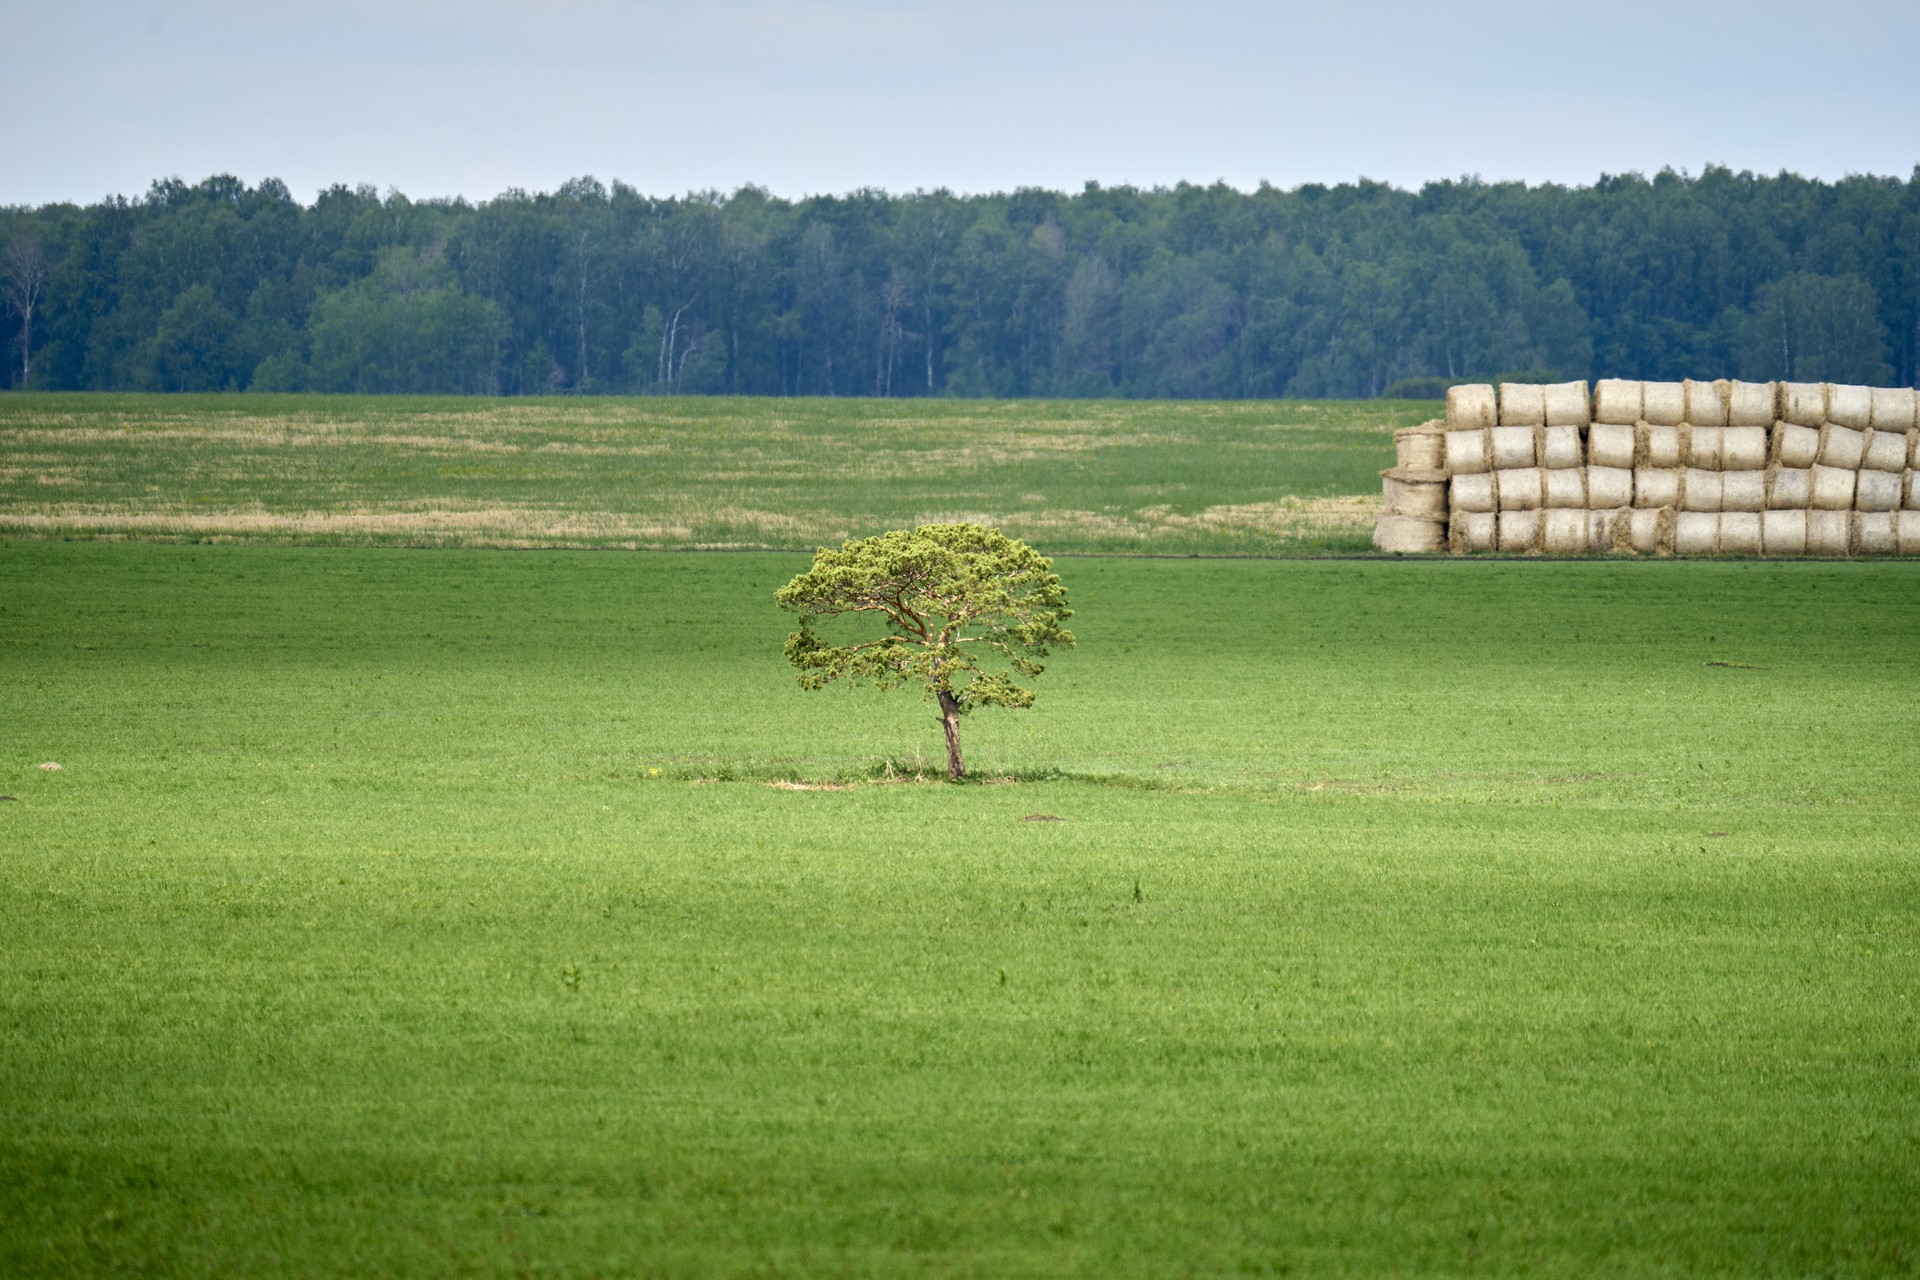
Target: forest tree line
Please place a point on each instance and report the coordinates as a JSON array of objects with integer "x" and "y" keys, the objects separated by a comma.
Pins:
[{"x": 1196, "y": 291}]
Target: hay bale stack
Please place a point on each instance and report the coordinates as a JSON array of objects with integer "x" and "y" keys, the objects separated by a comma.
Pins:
[
  {"x": 1783, "y": 533},
  {"x": 1705, "y": 403},
  {"x": 1794, "y": 445},
  {"x": 1750, "y": 404},
  {"x": 1664, "y": 404},
  {"x": 1850, "y": 406},
  {"x": 1876, "y": 491},
  {"x": 1422, "y": 448},
  {"x": 1616, "y": 401},
  {"x": 1611, "y": 444},
  {"x": 1567, "y": 405},
  {"x": 1829, "y": 533},
  {"x": 1410, "y": 535},
  {"x": 1471, "y": 406},
  {"x": 1523, "y": 404},
  {"x": 1803, "y": 403}
]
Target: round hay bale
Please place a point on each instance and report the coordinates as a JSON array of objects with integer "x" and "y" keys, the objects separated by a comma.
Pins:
[
  {"x": 1910, "y": 490},
  {"x": 1655, "y": 487},
  {"x": 1872, "y": 534},
  {"x": 1617, "y": 401},
  {"x": 1829, "y": 532},
  {"x": 1410, "y": 535},
  {"x": 1789, "y": 488},
  {"x": 1702, "y": 446},
  {"x": 1750, "y": 404},
  {"x": 1894, "y": 407},
  {"x": 1664, "y": 404},
  {"x": 1877, "y": 491},
  {"x": 1473, "y": 493},
  {"x": 1520, "y": 489},
  {"x": 1423, "y": 447},
  {"x": 1783, "y": 533},
  {"x": 1416, "y": 492},
  {"x": 1794, "y": 445},
  {"x": 1607, "y": 530},
  {"x": 1469, "y": 452},
  {"x": 1650, "y": 531},
  {"x": 1885, "y": 451},
  {"x": 1471, "y": 406},
  {"x": 1743, "y": 491},
  {"x": 1699, "y": 490},
  {"x": 1803, "y": 403},
  {"x": 1705, "y": 403},
  {"x": 1832, "y": 489},
  {"x": 1471, "y": 531},
  {"x": 1739, "y": 533},
  {"x": 1906, "y": 532},
  {"x": 1559, "y": 447},
  {"x": 1696, "y": 533},
  {"x": 1609, "y": 487},
  {"x": 1658, "y": 447},
  {"x": 1842, "y": 446},
  {"x": 1850, "y": 406},
  {"x": 1520, "y": 532},
  {"x": 1610, "y": 444},
  {"x": 1565, "y": 490},
  {"x": 1523, "y": 404},
  {"x": 1743, "y": 449},
  {"x": 1563, "y": 532},
  {"x": 1513, "y": 447},
  {"x": 1913, "y": 449},
  {"x": 1566, "y": 404}
]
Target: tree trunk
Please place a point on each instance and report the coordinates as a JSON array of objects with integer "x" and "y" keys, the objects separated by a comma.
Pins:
[{"x": 950, "y": 719}]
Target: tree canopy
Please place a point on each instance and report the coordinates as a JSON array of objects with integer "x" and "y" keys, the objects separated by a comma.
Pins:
[{"x": 962, "y": 608}]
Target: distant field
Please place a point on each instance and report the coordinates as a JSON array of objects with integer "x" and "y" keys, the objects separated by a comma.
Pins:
[
  {"x": 737, "y": 473},
  {"x": 403, "y": 913}
]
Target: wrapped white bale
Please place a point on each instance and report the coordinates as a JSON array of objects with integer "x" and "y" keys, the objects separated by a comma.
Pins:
[
  {"x": 1696, "y": 533},
  {"x": 1565, "y": 490},
  {"x": 1702, "y": 445},
  {"x": 1563, "y": 532},
  {"x": 1513, "y": 447},
  {"x": 1610, "y": 444},
  {"x": 1650, "y": 531},
  {"x": 1803, "y": 403},
  {"x": 1739, "y": 533},
  {"x": 1656, "y": 487},
  {"x": 1885, "y": 451},
  {"x": 1616, "y": 400},
  {"x": 1842, "y": 446},
  {"x": 1410, "y": 535},
  {"x": 1893, "y": 408},
  {"x": 1664, "y": 404},
  {"x": 1520, "y": 531},
  {"x": 1520, "y": 489},
  {"x": 1743, "y": 449},
  {"x": 1873, "y": 534},
  {"x": 1783, "y": 533},
  {"x": 1877, "y": 491},
  {"x": 1414, "y": 491},
  {"x": 1910, "y": 490},
  {"x": 1789, "y": 488},
  {"x": 1559, "y": 447},
  {"x": 1699, "y": 490},
  {"x": 1657, "y": 446},
  {"x": 1471, "y": 531},
  {"x": 1705, "y": 403},
  {"x": 1829, "y": 533},
  {"x": 1609, "y": 487},
  {"x": 1906, "y": 532},
  {"x": 1423, "y": 447},
  {"x": 1850, "y": 406},
  {"x": 1471, "y": 406},
  {"x": 1832, "y": 489},
  {"x": 1610, "y": 532},
  {"x": 1795, "y": 445},
  {"x": 1750, "y": 404},
  {"x": 1469, "y": 452},
  {"x": 1743, "y": 491},
  {"x": 1472, "y": 493},
  {"x": 1523, "y": 404},
  {"x": 1566, "y": 404}
]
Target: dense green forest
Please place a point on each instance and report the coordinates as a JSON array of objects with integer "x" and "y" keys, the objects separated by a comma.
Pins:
[{"x": 1352, "y": 290}]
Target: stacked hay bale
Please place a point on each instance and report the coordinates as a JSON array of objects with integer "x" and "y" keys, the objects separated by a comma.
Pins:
[{"x": 1660, "y": 468}]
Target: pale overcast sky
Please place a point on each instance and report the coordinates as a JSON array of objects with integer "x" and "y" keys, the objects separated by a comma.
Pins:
[{"x": 103, "y": 96}]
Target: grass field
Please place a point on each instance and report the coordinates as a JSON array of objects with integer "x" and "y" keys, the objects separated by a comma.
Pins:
[
  {"x": 779, "y": 474},
  {"x": 435, "y": 913}
]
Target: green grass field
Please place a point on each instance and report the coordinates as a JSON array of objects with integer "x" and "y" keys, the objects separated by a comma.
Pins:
[
  {"x": 439, "y": 913},
  {"x": 774, "y": 474}
]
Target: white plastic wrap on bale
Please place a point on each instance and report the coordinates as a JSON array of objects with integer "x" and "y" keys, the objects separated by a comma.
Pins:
[
  {"x": 1743, "y": 449},
  {"x": 1650, "y": 531},
  {"x": 1705, "y": 402},
  {"x": 1422, "y": 447},
  {"x": 1803, "y": 403},
  {"x": 1566, "y": 490},
  {"x": 1610, "y": 444},
  {"x": 1750, "y": 404},
  {"x": 1513, "y": 447},
  {"x": 1520, "y": 489},
  {"x": 1829, "y": 533},
  {"x": 1664, "y": 404},
  {"x": 1523, "y": 404},
  {"x": 1833, "y": 489},
  {"x": 1877, "y": 491},
  {"x": 1906, "y": 532},
  {"x": 1699, "y": 490},
  {"x": 1739, "y": 533},
  {"x": 1473, "y": 492},
  {"x": 1470, "y": 531},
  {"x": 1657, "y": 446},
  {"x": 1656, "y": 487},
  {"x": 1893, "y": 408},
  {"x": 1701, "y": 446},
  {"x": 1609, "y": 487},
  {"x": 1469, "y": 451},
  {"x": 1842, "y": 446},
  {"x": 1563, "y": 532},
  {"x": 1566, "y": 404},
  {"x": 1696, "y": 533},
  {"x": 1850, "y": 406},
  {"x": 1783, "y": 533},
  {"x": 1743, "y": 491},
  {"x": 1559, "y": 447},
  {"x": 1409, "y": 535},
  {"x": 1616, "y": 400},
  {"x": 1885, "y": 451},
  {"x": 1789, "y": 488},
  {"x": 1795, "y": 445},
  {"x": 1471, "y": 406},
  {"x": 1520, "y": 531},
  {"x": 1872, "y": 534}
]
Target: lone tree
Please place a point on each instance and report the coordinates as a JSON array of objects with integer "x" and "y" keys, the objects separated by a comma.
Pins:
[{"x": 952, "y": 597}]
